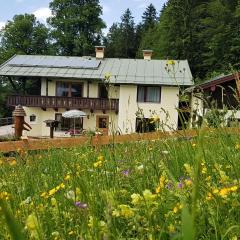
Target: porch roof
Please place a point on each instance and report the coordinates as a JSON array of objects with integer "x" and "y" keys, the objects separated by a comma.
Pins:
[{"x": 122, "y": 71}]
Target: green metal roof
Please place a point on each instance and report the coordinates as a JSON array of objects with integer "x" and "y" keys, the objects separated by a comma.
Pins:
[{"x": 122, "y": 71}]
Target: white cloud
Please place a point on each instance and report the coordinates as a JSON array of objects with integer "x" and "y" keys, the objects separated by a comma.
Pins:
[
  {"x": 42, "y": 14},
  {"x": 106, "y": 9},
  {"x": 143, "y": 5},
  {"x": 2, "y": 25}
]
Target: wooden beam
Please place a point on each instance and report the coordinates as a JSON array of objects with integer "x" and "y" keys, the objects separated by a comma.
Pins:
[{"x": 46, "y": 144}]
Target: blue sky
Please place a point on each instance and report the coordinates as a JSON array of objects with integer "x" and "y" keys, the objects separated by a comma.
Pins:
[{"x": 112, "y": 9}]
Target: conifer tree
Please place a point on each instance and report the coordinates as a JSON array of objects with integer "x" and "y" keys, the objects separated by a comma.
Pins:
[
  {"x": 121, "y": 37},
  {"x": 149, "y": 17}
]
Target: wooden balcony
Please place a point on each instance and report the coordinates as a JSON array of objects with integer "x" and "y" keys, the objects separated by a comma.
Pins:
[{"x": 64, "y": 102}]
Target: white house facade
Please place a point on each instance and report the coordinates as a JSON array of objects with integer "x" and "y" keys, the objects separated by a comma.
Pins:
[{"x": 116, "y": 94}]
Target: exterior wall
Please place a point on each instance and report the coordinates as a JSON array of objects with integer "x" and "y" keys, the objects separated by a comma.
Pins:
[
  {"x": 128, "y": 107},
  {"x": 39, "y": 128},
  {"x": 124, "y": 121}
]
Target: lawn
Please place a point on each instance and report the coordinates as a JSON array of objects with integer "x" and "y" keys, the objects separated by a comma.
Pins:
[{"x": 170, "y": 189}]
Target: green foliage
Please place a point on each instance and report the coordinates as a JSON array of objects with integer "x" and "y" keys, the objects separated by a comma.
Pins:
[
  {"x": 4, "y": 91},
  {"x": 14, "y": 228},
  {"x": 77, "y": 26},
  {"x": 23, "y": 35},
  {"x": 215, "y": 117}
]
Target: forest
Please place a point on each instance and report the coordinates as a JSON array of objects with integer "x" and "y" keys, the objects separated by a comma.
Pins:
[{"x": 205, "y": 32}]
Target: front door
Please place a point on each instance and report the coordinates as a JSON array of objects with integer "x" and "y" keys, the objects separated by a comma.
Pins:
[{"x": 103, "y": 124}]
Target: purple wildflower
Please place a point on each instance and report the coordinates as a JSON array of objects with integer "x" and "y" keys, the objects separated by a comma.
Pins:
[
  {"x": 125, "y": 172},
  {"x": 81, "y": 205},
  {"x": 180, "y": 185}
]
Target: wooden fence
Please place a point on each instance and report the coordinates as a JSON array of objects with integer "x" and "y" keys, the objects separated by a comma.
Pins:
[{"x": 46, "y": 144}]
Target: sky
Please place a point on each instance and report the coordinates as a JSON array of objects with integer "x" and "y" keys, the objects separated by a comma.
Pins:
[{"x": 112, "y": 9}]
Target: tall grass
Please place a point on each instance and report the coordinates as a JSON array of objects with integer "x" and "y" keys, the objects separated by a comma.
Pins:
[{"x": 169, "y": 189}]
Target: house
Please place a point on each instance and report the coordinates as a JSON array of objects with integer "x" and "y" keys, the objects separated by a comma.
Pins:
[
  {"x": 220, "y": 93},
  {"x": 116, "y": 94}
]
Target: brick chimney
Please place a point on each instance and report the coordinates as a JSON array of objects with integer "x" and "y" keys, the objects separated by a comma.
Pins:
[
  {"x": 147, "y": 54},
  {"x": 100, "y": 52}
]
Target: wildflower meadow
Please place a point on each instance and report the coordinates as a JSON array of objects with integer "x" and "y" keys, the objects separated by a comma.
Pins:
[{"x": 182, "y": 188}]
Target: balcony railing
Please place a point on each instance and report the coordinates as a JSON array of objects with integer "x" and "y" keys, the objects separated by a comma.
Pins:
[
  {"x": 64, "y": 102},
  {"x": 6, "y": 121}
]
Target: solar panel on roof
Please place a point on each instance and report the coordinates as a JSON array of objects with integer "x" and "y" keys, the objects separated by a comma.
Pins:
[{"x": 55, "y": 62}]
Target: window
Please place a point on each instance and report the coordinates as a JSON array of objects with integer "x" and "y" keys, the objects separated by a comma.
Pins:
[
  {"x": 67, "y": 124},
  {"x": 102, "y": 91},
  {"x": 64, "y": 89},
  {"x": 102, "y": 121},
  {"x": 149, "y": 94},
  {"x": 33, "y": 118}
]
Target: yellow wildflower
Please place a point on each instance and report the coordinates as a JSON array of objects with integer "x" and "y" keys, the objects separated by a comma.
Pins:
[
  {"x": 100, "y": 158},
  {"x": 209, "y": 196},
  {"x": 116, "y": 213},
  {"x": 170, "y": 62},
  {"x": 54, "y": 202},
  {"x": 161, "y": 184},
  {"x": 97, "y": 164},
  {"x": 40, "y": 207},
  {"x": 223, "y": 176},
  {"x": 4, "y": 195},
  {"x": 136, "y": 198},
  {"x": 234, "y": 188},
  {"x": 171, "y": 228},
  {"x": 177, "y": 208},
  {"x": 107, "y": 76},
  {"x": 188, "y": 168},
  {"x": 158, "y": 189},
  {"x": 126, "y": 211},
  {"x": 224, "y": 192},
  {"x": 208, "y": 178},
  {"x": 237, "y": 146},
  {"x": 203, "y": 168},
  {"x": 67, "y": 177},
  {"x": 188, "y": 182},
  {"x": 148, "y": 195},
  {"x": 155, "y": 119},
  {"x": 90, "y": 222},
  {"x": 13, "y": 162},
  {"x": 44, "y": 195},
  {"x": 71, "y": 233},
  {"x": 52, "y": 191},
  {"x": 56, "y": 235},
  {"x": 215, "y": 191},
  {"x": 32, "y": 222},
  {"x": 33, "y": 226}
]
